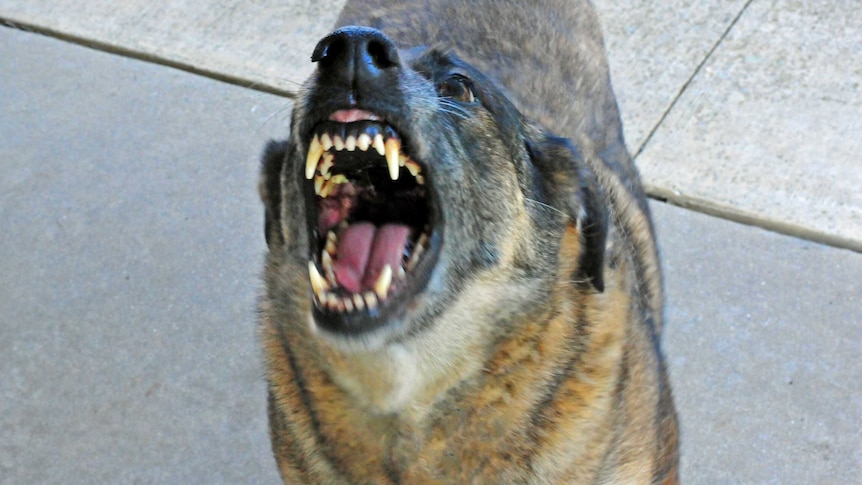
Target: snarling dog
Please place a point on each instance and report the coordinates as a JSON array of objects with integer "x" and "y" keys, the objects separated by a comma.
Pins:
[{"x": 462, "y": 284}]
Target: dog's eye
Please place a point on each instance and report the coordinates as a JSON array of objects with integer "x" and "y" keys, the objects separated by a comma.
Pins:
[{"x": 458, "y": 87}]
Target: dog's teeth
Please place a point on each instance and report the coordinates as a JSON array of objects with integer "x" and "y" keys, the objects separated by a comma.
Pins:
[
  {"x": 338, "y": 179},
  {"x": 393, "y": 147},
  {"x": 315, "y": 150},
  {"x": 338, "y": 143},
  {"x": 331, "y": 244},
  {"x": 318, "y": 184},
  {"x": 326, "y": 141},
  {"x": 318, "y": 284},
  {"x": 350, "y": 143},
  {"x": 370, "y": 300},
  {"x": 331, "y": 301},
  {"x": 363, "y": 142},
  {"x": 358, "y": 302},
  {"x": 423, "y": 240},
  {"x": 327, "y": 188},
  {"x": 326, "y": 164},
  {"x": 402, "y": 160},
  {"x": 348, "y": 303},
  {"x": 401, "y": 273},
  {"x": 328, "y": 271},
  {"x": 379, "y": 145},
  {"x": 413, "y": 167},
  {"x": 414, "y": 258},
  {"x": 420, "y": 180},
  {"x": 381, "y": 287}
]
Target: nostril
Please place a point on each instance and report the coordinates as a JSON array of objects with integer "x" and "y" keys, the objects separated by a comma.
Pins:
[
  {"x": 380, "y": 54},
  {"x": 328, "y": 50}
]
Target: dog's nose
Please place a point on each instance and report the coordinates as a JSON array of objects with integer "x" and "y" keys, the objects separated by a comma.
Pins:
[{"x": 355, "y": 56}]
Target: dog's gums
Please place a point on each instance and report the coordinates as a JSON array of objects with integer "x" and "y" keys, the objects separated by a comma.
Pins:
[{"x": 370, "y": 217}]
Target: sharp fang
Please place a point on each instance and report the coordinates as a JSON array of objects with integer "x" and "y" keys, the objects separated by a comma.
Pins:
[
  {"x": 381, "y": 287},
  {"x": 326, "y": 141},
  {"x": 338, "y": 143},
  {"x": 363, "y": 142},
  {"x": 393, "y": 147},
  {"x": 350, "y": 143},
  {"x": 370, "y": 300},
  {"x": 358, "y": 301},
  {"x": 315, "y": 150},
  {"x": 318, "y": 183},
  {"x": 379, "y": 145},
  {"x": 414, "y": 258},
  {"x": 318, "y": 284}
]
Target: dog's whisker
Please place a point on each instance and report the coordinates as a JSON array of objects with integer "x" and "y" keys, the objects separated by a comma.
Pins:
[{"x": 546, "y": 206}]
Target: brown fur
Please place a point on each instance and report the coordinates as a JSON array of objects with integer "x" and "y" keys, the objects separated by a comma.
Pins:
[{"x": 534, "y": 368}]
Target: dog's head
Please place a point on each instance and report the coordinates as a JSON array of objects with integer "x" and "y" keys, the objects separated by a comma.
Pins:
[{"x": 410, "y": 177}]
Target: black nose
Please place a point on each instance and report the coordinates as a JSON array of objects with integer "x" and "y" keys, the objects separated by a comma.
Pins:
[{"x": 356, "y": 56}]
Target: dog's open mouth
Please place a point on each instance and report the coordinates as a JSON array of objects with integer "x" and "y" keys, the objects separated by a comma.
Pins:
[{"x": 371, "y": 222}]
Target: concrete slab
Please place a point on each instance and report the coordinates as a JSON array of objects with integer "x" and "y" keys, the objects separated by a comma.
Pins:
[
  {"x": 653, "y": 49},
  {"x": 131, "y": 247},
  {"x": 265, "y": 44},
  {"x": 763, "y": 339},
  {"x": 770, "y": 131}
]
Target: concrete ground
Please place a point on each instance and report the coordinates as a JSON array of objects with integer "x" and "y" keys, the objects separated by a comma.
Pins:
[{"x": 133, "y": 234}]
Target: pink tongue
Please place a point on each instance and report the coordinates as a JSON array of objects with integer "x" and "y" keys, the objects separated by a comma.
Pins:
[{"x": 363, "y": 251}]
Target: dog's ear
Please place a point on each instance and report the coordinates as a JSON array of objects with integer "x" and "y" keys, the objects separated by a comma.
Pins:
[
  {"x": 270, "y": 190},
  {"x": 573, "y": 187}
]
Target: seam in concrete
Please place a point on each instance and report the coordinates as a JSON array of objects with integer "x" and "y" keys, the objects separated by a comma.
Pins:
[
  {"x": 733, "y": 214},
  {"x": 146, "y": 57},
  {"x": 691, "y": 78}
]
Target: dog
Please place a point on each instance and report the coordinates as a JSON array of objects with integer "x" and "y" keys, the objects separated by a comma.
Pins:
[{"x": 461, "y": 283}]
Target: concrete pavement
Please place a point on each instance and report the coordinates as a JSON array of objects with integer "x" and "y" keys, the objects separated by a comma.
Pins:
[{"x": 130, "y": 258}]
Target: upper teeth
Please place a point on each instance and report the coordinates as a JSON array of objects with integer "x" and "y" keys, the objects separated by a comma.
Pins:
[{"x": 320, "y": 160}]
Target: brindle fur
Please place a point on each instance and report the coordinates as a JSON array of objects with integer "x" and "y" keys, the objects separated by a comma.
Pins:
[{"x": 533, "y": 354}]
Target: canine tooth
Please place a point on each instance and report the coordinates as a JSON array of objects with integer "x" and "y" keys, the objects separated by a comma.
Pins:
[
  {"x": 413, "y": 167},
  {"x": 318, "y": 183},
  {"x": 318, "y": 284},
  {"x": 420, "y": 180},
  {"x": 358, "y": 301},
  {"x": 326, "y": 141},
  {"x": 381, "y": 287},
  {"x": 315, "y": 150},
  {"x": 393, "y": 147},
  {"x": 348, "y": 303},
  {"x": 338, "y": 143},
  {"x": 379, "y": 145},
  {"x": 350, "y": 143},
  {"x": 363, "y": 142},
  {"x": 370, "y": 300}
]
